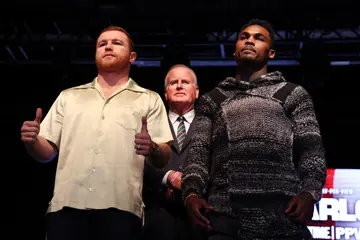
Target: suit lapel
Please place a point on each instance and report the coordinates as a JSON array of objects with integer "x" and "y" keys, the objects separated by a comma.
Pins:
[
  {"x": 188, "y": 136},
  {"x": 175, "y": 143}
]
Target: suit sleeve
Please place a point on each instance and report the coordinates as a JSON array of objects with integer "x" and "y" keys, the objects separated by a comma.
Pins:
[{"x": 152, "y": 178}]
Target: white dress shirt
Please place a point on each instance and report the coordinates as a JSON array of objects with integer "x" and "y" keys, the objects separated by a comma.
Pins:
[{"x": 188, "y": 118}]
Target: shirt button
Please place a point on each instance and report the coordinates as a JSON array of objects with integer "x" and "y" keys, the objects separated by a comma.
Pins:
[
  {"x": 90, "y": 189},
  {"x": 96, "y": 151},
  {"x": 102, "y": 117},
  {"x": 93, "y": 169}
]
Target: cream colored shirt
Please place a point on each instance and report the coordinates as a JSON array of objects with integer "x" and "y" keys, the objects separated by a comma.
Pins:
[{"x": 97, "y": 166}]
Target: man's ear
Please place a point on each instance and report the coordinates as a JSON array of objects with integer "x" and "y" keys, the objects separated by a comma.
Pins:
[
  {"x": 133, "y": 56},
  {"x": 271, "y": 54}
]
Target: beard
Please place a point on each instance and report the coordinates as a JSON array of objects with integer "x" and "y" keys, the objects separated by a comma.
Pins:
[
  {"x": 239, "y": 57},
  {"x": 250, "y": 60},
  {"x": 111, "y": 65}
]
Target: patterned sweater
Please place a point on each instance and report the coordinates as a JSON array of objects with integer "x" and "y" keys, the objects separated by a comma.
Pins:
[{"x": 264, "y": 152}]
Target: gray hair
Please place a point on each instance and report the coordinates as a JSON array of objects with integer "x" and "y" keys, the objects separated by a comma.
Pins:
[{"x": 183, "y": 66}]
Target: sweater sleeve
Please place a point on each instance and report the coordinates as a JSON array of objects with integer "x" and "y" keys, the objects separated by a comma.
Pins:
[
  {"x": 309, "y": 154},
  {"x": 197, "y": 164}
]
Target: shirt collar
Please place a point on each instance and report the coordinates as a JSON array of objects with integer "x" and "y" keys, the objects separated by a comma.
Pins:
[
  {"x": 130, "y": 85},
  {"x": 189, "y": 116}
]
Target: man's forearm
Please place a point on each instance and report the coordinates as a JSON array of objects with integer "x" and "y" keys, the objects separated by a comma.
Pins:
[
  {"x": 160, "y": 156},
  {"x": 42, "y": 150}
]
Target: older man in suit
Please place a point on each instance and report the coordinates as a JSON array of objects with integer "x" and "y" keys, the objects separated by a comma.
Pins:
[{"x": 165, "y": 215}]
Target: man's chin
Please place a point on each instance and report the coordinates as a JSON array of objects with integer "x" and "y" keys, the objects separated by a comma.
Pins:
[
  {"x": 110, "y": 66},
  {"x": 246, "y": 59},
  {"x": 179, "y": 102}
]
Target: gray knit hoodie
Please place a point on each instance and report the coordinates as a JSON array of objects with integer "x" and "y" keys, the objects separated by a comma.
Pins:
[{"x": 264, "y": 152}]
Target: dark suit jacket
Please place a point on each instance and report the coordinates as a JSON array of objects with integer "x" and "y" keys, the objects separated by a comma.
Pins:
[
  {"x": 153, "y": 189},
  {"x": 167, "y": 219}
]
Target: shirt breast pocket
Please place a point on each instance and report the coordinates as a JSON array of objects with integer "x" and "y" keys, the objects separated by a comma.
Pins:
[{"x": 128, "y": 118}]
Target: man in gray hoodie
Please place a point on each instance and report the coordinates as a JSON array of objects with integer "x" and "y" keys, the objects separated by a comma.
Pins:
[{"x": 256, "y": 164}]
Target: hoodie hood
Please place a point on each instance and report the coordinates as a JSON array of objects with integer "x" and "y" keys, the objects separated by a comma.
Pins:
[{"x": 272, "y": 78}]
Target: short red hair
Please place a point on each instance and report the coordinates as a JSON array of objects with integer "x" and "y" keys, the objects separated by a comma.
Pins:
[{"x": 120, "y": 29}]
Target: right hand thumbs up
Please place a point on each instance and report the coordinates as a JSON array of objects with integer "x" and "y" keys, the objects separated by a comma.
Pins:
[
  {"x": 31, "y": 129},
  {"x": 38, "y": 116}
]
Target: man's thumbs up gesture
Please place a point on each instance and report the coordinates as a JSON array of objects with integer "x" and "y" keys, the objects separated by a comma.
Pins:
[
  {"x": 143, "y": 143},
  {"x": 30, "y": 129}
]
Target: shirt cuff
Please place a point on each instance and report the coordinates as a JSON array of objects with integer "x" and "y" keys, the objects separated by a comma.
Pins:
[{"x": 164, "y": 180}]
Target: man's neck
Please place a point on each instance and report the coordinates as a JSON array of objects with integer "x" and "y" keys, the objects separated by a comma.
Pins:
[
  {"x": 111, "y": 80},
  {"x": 180, "y": 109},
  {"x": 246, "y": 73}
]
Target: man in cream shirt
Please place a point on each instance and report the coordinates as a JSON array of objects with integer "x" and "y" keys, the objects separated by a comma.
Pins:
[{"x": 103, "y": 131}]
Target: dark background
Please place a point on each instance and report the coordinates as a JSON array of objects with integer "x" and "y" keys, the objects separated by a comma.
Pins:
[{"x": 186, "y": 30}]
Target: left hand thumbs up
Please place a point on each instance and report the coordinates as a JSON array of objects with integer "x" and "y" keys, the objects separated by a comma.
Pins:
[
  {"x": 143, "y": 143},
  {"x": 144, "y": 125}
]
